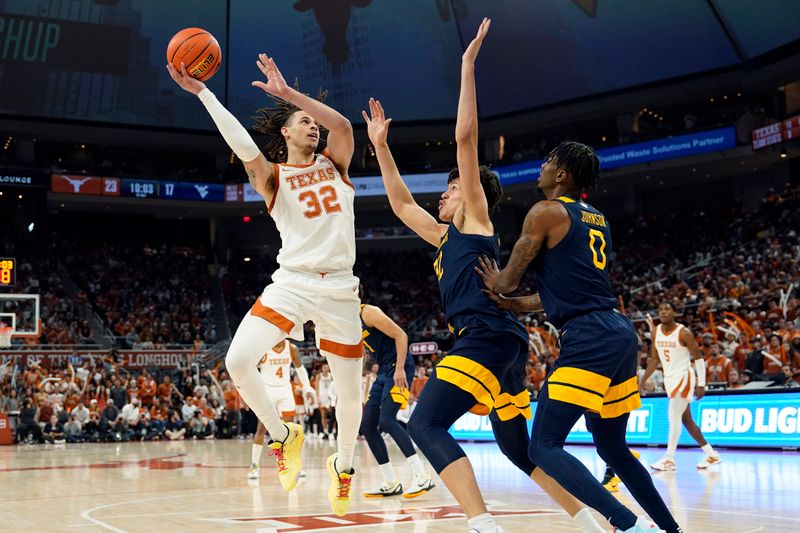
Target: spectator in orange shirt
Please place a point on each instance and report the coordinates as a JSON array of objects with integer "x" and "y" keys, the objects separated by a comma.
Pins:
[
  {"x": 165, "y": 389},
  {"x": 775, "y": 355},
  {"x": 233, "y": 405},
  {"x": 148, "y": 391},
  {"x": 734, "y": 382},
  {"x": 717, "y": 366}
]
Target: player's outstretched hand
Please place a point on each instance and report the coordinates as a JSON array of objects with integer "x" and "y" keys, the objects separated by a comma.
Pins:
[
  {"x": 488, "y": 271},
  {"x": 377, "y": 123},
  {"x": 472, "y": 50},
  {"x": 275, "y": 85},
  {"x": 186, "y": 82},
  {"x": 400, "y": 379}
]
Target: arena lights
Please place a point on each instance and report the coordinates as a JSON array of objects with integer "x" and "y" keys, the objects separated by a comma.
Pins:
[
  {"x": 246, "y": 259},
  {"x": 783, "y": 153},
  {"x": 246, "y": 219}
]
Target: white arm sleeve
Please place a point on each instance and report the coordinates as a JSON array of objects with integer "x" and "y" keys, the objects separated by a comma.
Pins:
[
  {"x": 700, "y": 368},
  {"x": 234, "y": 133},
  {"x": 302, "y": 374}
]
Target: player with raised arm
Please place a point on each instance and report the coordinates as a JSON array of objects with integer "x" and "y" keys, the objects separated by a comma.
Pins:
[
  {"x": 387, "y": 343},
  {"x": 310, "y": 198},
  {"x": 568, "y": 242},
  {"x": 484, "y": 370},
  {"x": 675, "y": 347},
  {"x": 275, "y": 369}
]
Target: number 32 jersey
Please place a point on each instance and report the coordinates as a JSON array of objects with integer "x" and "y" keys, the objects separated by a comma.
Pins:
[
  {"x": 313, "y": 211},
  {"x": 572, "y": 277}
]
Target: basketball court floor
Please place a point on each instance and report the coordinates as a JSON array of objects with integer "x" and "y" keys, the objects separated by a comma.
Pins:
[{"x": 202, "y": 486}]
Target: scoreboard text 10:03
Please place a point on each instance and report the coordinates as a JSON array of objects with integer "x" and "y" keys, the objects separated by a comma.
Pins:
[{"x": 8, "y": 271}]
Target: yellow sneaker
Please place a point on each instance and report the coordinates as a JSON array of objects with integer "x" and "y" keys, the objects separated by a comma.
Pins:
[
  {"x": 613, "y": 484},
  {"x": 287, "y": 454},
  {"x": 339, "y": 491}
]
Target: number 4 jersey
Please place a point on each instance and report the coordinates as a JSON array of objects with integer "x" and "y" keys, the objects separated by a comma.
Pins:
[
  {"x": 313, "y": 211},
  {"x": 572, "y": 276}
]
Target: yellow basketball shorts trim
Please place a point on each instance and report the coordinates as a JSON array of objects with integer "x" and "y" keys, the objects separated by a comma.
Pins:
[
  {"x": 481, "y": 383},
  {"x": 594, "y": 391}
]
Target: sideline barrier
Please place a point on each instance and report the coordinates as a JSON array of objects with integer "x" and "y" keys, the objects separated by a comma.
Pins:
[{"x": 743, "y": 419}]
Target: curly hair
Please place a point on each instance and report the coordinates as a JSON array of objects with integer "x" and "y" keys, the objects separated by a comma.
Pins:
[
  {"x": 490, "y": 182},
  {"x": 580, "y": 161},
  {"x": 270, "y": 120}
]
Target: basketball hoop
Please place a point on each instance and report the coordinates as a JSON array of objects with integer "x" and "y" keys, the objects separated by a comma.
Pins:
[{"x": 6, "y": 332}]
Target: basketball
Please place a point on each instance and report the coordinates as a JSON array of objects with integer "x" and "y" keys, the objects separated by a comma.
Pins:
[{"x": 198, "y": 50}]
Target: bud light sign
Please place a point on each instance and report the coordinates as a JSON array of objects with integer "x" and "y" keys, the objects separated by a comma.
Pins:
[{"x": 760, "y": 420}]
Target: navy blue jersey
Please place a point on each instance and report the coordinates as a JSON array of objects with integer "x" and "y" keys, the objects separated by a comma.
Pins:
[
  {"x": 460, "y": 285},
  {"x": 382, "y": 348},
  {"x": 572, "y": 277}
]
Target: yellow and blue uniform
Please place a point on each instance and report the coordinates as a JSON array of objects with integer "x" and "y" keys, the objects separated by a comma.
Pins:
[
  {"x": 597, "y": 363},
  {"x": 383, "y": 350},
  {"x": 485, "y": 368},
  {"x": 595, "y": 373},
  {"x": 385, "y": 399},
  {"x": 491, "y": 345}
]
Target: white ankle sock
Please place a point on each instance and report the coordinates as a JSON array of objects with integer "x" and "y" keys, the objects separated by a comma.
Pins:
[
  {"x": 388, "y": 473},
  {"x": 708, "y": 450},
  {"x": 586, "y": 522},
  {"x": 256, "y": 456},
  {"x": 415, "y": 465},
  {"x": 482, "y": 522}
]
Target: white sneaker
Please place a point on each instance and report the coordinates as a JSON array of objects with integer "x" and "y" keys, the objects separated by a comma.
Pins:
[
  {"x": 420, "y": 485},
  {"x": 497, "y": 529},
  {"x": 710, "y": 460},
  {"x": 386, "y": 491},
  {"x": 642, "y": 525},
  {"x": 665, "y": 464},
  {"x": 253, "y": 472}
]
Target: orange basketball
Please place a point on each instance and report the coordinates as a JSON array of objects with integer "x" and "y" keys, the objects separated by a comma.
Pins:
[{"x": 198, "y": 50}]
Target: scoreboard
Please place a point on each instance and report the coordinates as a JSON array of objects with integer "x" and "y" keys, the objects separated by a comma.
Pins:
[{"x": 8, "y": 271}]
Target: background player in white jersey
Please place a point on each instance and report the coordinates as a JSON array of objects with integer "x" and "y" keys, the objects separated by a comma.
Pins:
[
  {"x": 675, "y": 348},
  {"x": 323, "y": 385},
  {"x": 275, "y": 369},
  {"x": 310, "y": 199}
]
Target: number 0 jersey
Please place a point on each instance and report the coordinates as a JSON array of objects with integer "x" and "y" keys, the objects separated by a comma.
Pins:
[
  {"x": 313, "y": 210},
  {"x": 572, "y": 277}
]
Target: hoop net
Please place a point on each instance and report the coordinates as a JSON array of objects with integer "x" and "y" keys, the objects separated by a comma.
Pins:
[{"x": 6, "y": 332}]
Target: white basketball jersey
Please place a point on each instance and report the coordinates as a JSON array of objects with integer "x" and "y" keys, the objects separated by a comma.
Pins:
[
  {"x": 675, "y": 358},
  {"x": 275, "y": 368},
  {"x": 313, "y": 211},
  {"x": 324, "y": 385}
]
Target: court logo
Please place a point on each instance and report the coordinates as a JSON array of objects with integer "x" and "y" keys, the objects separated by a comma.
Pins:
[{"x": 376, "y": 518}]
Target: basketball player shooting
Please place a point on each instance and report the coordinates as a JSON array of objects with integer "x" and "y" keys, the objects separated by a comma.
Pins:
[{"x": 310, "y": 198}]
